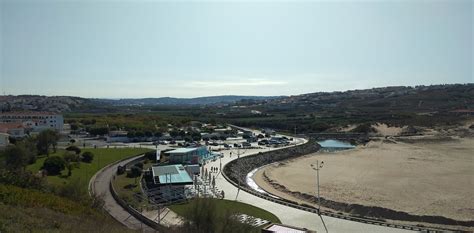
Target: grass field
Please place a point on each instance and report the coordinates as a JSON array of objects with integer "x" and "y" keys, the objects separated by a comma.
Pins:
[
  {"x": 26, "y": 210},
  {"x": 126, "y": 187},
  {"x": 222, "y": 206},
  {"x": 102, "y": 157}
]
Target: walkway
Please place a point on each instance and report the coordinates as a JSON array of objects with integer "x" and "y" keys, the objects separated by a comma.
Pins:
[
  {"x": 289, "y": 215},
  {"x": 100, "y": 186}
]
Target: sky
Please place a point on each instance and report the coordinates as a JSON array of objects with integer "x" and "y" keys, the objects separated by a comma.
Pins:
[{"x": 133, "y": 49}]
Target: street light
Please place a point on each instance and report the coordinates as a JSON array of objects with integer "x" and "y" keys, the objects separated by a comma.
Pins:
[{"x": 318, "y": 167}]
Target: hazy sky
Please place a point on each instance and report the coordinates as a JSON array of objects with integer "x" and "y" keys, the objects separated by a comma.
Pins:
[{"x": 187, "y": 49}]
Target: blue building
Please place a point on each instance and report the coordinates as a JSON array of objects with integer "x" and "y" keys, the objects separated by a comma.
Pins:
[
  {"x": 196, "y": 155},
  {"x": 168, "y": 183}
]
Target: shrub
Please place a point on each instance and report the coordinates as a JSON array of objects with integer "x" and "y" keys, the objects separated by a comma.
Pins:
[
  {"x": 74, "y": 148},
  {"x": 87, "y": 157},
  {"x": 120, "y": 170},
  {"x": 54, "y": 165},
  {"x": 140, "y": 165},
  {"x": 364, "y": 128},
  {"x": 134, "y": 172},
  {"x": 71, "y": 157},
  {"x": 151, "y": 155}
]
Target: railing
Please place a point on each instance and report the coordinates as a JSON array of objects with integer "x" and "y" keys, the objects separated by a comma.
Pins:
[{"x": 135, "y": 213}]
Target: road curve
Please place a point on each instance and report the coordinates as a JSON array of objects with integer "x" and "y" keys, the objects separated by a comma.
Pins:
[
  {"x": 289, "y": 215},
  {"x": 100, "y": 185}
]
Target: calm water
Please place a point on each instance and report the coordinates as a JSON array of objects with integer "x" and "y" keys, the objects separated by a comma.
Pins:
[{"x": 335, "y": 144}]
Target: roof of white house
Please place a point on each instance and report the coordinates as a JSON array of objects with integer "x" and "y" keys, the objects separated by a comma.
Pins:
[
  {"x": 171, "y": 174},
  {"x": 181, "y": 150}
]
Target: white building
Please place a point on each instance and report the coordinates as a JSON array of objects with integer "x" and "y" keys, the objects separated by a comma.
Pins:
[
  {"x": 3, "y": 139},
  {"x": 37, "y": 121}
]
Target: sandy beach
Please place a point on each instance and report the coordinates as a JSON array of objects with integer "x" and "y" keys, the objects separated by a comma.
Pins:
[{"x": 419, "y": 177}]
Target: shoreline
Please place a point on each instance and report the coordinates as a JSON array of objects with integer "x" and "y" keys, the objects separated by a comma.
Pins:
[{"x": 267, "y": 180}]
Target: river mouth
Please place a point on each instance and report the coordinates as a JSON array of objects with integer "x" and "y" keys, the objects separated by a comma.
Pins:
[{"x": 335, "y": 145}]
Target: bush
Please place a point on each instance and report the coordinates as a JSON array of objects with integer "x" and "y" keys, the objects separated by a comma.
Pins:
[
  {"x": 120, "y": 170},
  {"x": 140, "y": 165},
  {"x": 364, "y": 128},
  {"x": 87, "y": 157},
  {"x": 74, "y": 190},
  {"x": 71, "y": 157},
  {"x": 54, "y": 165},
  {"x": 74, "y": 148},
  {"x": 134, "y": 172}
]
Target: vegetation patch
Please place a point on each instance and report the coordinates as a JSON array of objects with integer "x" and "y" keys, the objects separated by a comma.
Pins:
[
  {"x": 102, "y": 157},
  {"x": 216, "y": 215}
]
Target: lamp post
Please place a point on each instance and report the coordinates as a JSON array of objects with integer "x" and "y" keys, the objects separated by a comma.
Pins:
[{"x": 318, "y": 167}]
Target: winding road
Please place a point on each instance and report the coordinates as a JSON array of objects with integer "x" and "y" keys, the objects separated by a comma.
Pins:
[
  {"x": 100, "y": 185},
  {"x": 288, "y": 215}
]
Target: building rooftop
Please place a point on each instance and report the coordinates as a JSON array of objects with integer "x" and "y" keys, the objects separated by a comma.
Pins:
[
  {"x": 181, "y": 150},
  {"x": 171, "y": 174},
  {"x": 4, "y": 127}
]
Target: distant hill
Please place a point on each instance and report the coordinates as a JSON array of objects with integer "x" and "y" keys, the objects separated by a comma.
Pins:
[
  {"x": 209, "y": 100},
  {"x": 71, "y": 104}
]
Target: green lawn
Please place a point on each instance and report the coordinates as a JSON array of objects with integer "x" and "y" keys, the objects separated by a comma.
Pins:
[
  {"x": 102, "y": 157},
  {"x": 226, "y": 205},
  {"x": 126, "y": 188}
]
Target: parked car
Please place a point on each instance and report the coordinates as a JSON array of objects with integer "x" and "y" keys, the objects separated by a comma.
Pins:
[
  {"x": 246, "y": 144},
  {"x": 237, "y": 145}
]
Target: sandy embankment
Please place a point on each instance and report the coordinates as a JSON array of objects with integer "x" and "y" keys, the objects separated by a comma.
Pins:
[{"x": 422, "y": 178}]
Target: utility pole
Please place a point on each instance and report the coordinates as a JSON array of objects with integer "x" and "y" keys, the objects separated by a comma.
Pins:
[
  {"x": 238, "y": 157},
  {"x": 318, "y": 167}
]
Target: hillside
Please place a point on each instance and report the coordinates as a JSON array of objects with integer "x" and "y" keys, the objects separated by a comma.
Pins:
[
  {"x": 26, "y": 210},
  {"x": 209, "y": 100},
  {"x": 322, "y": 111}
]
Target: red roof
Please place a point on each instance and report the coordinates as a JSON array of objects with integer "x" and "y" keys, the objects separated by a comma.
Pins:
[{"x": 4, "y": 127}]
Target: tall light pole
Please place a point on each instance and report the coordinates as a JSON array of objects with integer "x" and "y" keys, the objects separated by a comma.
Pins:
[{"x": 318, "y": 167}]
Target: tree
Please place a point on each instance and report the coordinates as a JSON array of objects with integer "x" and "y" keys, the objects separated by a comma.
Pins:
[
  {"x": 74, "y": 127},
  {"x": 15, "y": 157},
  {"x": 158, "y": 134},
  {"x": 131, "y": 134},
  {"x": 148, "y": 134},
  {"x": 74, "y": 149},
  {"x": 87, "y": 157},
  {"x": 29, "y": 145},
  {"x": 98, "y": 131},
  {"x": 174, "y": 133},
  {"x": 54, "y": 165},
  {"x": 47, "y": 139},
  {"x": 134, "y": 173},
  {"x": 71, "y": 160}
]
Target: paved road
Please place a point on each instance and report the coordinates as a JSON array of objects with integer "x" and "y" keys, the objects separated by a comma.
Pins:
[
  {"x": 100, "y": 186},
  {"x": 289, "y": 215}
]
